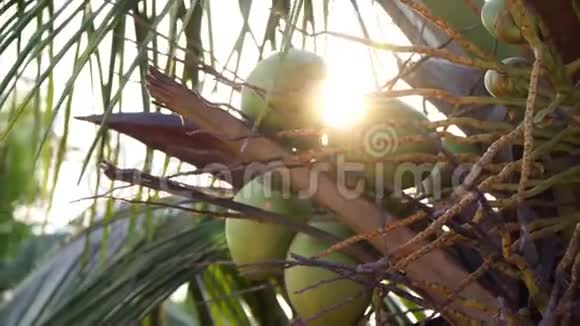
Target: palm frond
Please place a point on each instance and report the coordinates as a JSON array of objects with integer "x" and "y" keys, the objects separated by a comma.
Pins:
[
  {"x": 135, "y": 277},
  {"x": 30, "y": 254}
]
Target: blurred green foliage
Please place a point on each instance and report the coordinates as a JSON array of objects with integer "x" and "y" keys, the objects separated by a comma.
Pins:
[{"x": 20, "y": 178}]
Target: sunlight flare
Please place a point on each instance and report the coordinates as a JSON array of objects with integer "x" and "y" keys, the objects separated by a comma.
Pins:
[{"x": 341, "y": 106}]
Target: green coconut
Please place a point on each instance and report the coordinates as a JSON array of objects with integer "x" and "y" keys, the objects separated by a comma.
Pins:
[
  {"x": 498, "y": 21},
  {"x": 290, "y": 85},
  {"x": 252, "y": 242},
  {"x": 499, "y": 84},
  {"x": 374, "y": 140},
  {"x": 457, "y": 147},
  {"x": 442, "y": 174},
  {"x": 324, "y": 296}
]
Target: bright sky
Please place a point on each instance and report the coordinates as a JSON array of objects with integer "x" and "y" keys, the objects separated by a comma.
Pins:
[{"x": 351, "y": 72}]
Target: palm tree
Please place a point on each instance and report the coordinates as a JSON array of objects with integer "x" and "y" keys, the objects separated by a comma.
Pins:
[{"x": 499, "y": 244}]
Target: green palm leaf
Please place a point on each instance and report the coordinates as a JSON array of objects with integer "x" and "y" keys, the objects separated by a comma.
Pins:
[{"x": 135, "y": 277}]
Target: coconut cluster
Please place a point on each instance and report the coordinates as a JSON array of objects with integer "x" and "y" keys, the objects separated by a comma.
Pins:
[
  {"x": 280, "y": 94},
  {"x": 256, "y": 247},
  {"x": 499, "y": 22}
]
